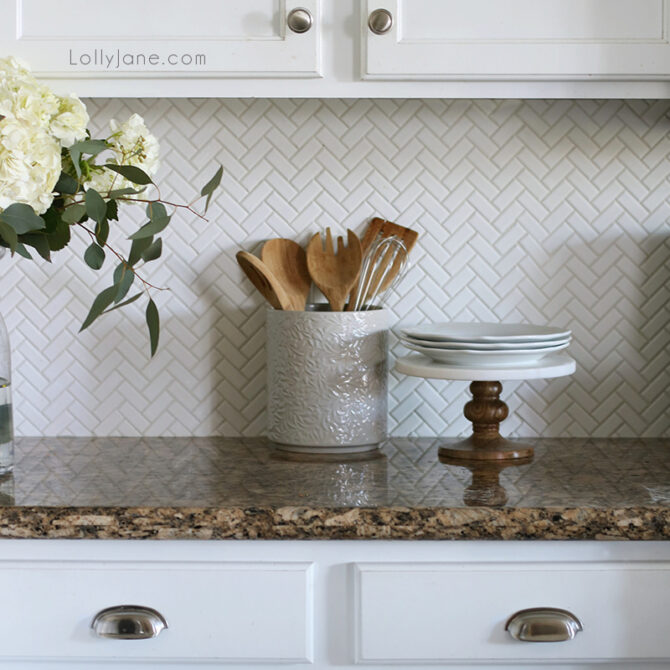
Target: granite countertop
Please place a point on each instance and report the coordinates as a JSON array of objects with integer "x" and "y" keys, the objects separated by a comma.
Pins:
[{"x": 218, "y": 488}]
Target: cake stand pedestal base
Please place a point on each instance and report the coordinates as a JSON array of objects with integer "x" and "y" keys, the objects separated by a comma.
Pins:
[{"x": 486, "y": 410}]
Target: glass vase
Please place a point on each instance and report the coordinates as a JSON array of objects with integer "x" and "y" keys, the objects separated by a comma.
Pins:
[{"x": 6, "y": 422}]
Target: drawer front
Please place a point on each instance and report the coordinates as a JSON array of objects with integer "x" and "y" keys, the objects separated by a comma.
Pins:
[
  {"x": 215, "y": 611},
  {"x": 427, "y": 613}
]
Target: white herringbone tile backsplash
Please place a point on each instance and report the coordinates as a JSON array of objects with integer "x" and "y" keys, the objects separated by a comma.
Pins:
[{"x": 553, "y": 212}]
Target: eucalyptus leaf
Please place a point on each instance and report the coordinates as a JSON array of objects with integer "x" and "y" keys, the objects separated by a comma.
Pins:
[
  {"x": 22, "y": 251},
  {"x": 119, "y": 271},
  {"x": 153, "y": 322},
  {"x": 74, "y": 213},
  {"x": 137, "y": 248},
  {"x": 156, "y": 210},
  {"x": 124, "y": 303},
  {"x": 150, "y": 229},
  {"x": 96, "y": 207},
  {"x": 123, "y": 279},
  {"x": 58, "y": 236},
  {"x": 102, "y": 301},
  {"x": 94, "y": 256},
  {"x": 131, "y": 172},
  {"x": 91, "y": 147},
  {"x": 39, "y": 242},
  {"x": 51, "y": 218},
  {"x": 22, "y": 218},
  {"x": 119, "y": 192},
  {"x": 154, "y": 251},
  {"x": 9, "y": 236},
  {"x": 66, "y": 184},
  {"x": 102, "y": 232},
  {"x": 209, "y": 188}
]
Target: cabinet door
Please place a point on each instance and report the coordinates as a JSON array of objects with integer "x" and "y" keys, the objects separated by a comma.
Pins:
[
  {"x": 519, "y": 40},
  {"x": 132, "y": 39}
]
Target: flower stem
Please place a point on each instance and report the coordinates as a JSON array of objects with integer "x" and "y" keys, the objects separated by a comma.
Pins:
[{"x": 145, "y": 283}]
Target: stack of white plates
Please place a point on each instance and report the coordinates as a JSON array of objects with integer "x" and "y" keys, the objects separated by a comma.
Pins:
[{"x": 485, "y": 344}]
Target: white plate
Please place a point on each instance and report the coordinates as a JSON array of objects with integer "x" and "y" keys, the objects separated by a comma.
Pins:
[
  {"x": 485, "y": 332},
  {"x": 473, "y": 357},
  {"x": 553, "y": 365},
  {"x": 483, "y": 346}
]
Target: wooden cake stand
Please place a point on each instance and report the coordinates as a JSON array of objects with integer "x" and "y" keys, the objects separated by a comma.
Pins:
[{"x": 486, "y": 410}]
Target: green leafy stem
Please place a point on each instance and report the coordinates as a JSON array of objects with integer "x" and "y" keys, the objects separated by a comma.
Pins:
[{"x": 75, "y": 205}]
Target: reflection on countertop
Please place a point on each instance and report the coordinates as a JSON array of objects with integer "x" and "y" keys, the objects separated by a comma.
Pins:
[{"x": 216, "y": 488}]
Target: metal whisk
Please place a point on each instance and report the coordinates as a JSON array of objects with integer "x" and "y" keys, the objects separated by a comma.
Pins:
[{"x": 383, "y": 266}]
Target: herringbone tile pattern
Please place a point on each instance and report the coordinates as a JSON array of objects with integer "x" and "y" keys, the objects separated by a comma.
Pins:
[{"x": 542, "y": 211}]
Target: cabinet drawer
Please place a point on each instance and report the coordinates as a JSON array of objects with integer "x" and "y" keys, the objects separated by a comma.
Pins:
[
  {"x": 216, "y": 611},
  {"x": 427, "y": 613}
]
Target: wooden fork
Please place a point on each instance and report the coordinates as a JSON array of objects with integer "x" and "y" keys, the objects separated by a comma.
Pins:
[{"x": 335, "y": 274}]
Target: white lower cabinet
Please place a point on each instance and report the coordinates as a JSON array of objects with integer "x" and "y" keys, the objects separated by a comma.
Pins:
[{"x": 332, "y": 604}]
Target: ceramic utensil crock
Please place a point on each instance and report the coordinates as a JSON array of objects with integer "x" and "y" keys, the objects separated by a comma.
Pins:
[{"x": 327, "y": 379}]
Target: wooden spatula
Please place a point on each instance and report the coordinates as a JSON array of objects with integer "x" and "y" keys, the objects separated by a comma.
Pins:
[
  {"x": 264, "y": 280},
  {"x": 335, "y": 274},
  {"x": 380, "y": 228},
  {"x": 286, "y": 259}
]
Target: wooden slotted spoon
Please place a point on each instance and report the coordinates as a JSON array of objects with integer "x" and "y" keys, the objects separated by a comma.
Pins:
[
  {"x": 264, "y": 280},
  {"x": 286, "y": 259},
  {"x": 335, "y": 274}
]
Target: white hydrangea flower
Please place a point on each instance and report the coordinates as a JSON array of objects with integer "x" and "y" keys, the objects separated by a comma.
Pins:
[
  {"x": 69, "y": 124},
  {"x": 23, "y": 97},
  {"x": 131, "y": 144},
  {"x": 135, "y": 145},
  {"x": 103, "y": 181},
  {"x": 30, "y": 164},
  {"x": 12, "y": 73}
]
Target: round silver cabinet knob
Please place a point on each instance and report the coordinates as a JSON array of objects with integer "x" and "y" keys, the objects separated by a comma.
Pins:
[
  {"x": 299, "y": 20},
  {"x": 128, "y": 622},
  {"x": 543, "y": 624},
  {"x": 380, "y": 21}
]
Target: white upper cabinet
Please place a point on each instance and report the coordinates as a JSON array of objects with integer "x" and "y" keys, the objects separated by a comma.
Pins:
[
  {"x": 329, "y": 48},
  {"x": 517, "y": 40},
  {"x": 154, "y": 39}
]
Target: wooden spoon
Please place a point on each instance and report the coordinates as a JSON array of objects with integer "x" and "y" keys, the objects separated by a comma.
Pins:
[
  {"x": 264, "y": 280},
  {"x": 334, "y": 274},
  {"x": 286, "y": 259}
]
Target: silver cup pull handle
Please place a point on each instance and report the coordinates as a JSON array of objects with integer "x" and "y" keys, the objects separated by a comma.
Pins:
[
  {"x": 128, "y": 622},
  {"x": 543, "y": 624}
]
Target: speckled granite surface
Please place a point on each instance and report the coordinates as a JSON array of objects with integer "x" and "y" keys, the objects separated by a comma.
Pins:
[{"x": 215, "y": 488}]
